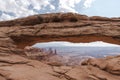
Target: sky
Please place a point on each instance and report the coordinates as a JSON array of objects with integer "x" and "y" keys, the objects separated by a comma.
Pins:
[
  {"x": 11, "y": 9},
  {"x": 70, "y": 44}
]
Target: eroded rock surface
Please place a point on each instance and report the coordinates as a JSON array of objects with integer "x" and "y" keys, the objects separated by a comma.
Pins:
[{"x": 16, "y": 34}]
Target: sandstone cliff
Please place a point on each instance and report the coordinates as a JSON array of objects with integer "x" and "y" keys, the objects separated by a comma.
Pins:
[{"x": 16, "y": 34}]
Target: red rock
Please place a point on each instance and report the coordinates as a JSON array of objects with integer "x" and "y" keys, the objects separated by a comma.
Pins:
[{"x": 18, "y": 33}]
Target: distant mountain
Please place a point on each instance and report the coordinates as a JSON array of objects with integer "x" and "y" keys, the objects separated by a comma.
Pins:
[{"x": 94, "y": 49}]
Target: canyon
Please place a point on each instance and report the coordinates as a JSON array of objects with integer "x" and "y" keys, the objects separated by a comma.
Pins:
[{"x": 16, "y": 34}]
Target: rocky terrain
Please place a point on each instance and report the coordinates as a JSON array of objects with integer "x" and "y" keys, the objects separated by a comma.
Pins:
[{"x": 16, "y": 34}]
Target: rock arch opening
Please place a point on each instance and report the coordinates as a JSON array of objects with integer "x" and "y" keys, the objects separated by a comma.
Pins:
[{"x": 70, "y": 54}]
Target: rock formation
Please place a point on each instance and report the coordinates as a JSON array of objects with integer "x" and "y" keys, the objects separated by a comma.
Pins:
[{"x": 16, "y": 34}]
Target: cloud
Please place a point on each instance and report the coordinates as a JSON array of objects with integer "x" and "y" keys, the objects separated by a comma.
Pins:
[
  {"x": 10, "y": 9},
  {"x": 20, "y": 8},
  {"x": 88, "y": 3},
  {"x": 4, "y": 17},
  {"x": 68, "y": 5},
  {"x": 52, "y": 7}
]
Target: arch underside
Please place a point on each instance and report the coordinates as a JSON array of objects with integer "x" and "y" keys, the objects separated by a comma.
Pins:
[{"x": 23, "y": 41}]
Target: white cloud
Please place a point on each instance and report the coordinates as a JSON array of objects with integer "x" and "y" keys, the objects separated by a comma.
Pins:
[
  {"x": 20, "y": 8},
  {"x": 38, "y": 4},
  {"x": 52, "y": 7},
  {"x": 68, "y": 5},
  {"x": 4, "y": 17},
  {"x": 88, "y": 3},
  {"x": 66, "y": 9}
]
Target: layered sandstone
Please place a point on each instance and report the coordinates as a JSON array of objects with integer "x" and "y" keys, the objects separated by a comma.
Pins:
[{"x": 16, "y": 34}]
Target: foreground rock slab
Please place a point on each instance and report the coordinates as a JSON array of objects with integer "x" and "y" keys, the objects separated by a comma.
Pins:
[{"x": 15, "y": 67}]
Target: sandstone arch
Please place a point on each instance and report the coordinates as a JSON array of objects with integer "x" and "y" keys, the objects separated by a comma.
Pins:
[
  {"x": 30, "y": 30},
  {"x": 16, "y": 34}
]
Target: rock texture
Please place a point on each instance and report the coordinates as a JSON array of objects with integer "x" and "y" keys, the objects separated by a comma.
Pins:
[{"x": 16, "y": 34}]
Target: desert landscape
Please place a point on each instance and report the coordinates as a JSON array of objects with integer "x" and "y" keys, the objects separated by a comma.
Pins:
[{"x": 20, "y": 61}]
